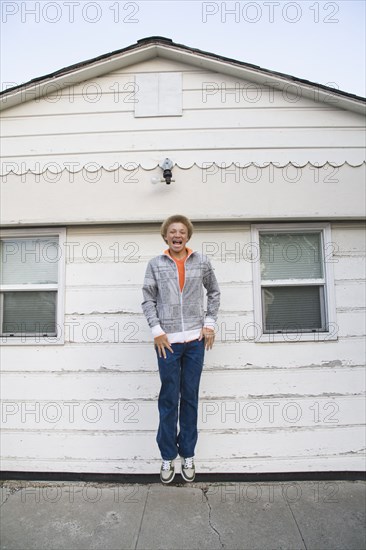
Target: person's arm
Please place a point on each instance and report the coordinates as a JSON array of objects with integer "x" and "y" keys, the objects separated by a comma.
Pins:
[
  {"x": 213, "y": 303},
  {"x": 213, "y": 295},
  {"x": 150, "y": 292}
]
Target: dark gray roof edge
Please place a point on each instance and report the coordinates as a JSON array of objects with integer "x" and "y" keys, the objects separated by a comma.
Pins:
[{"x": 167, "y": 42}]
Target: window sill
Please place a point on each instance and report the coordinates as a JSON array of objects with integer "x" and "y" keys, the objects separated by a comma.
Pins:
[{"x": 291, "y": 337}]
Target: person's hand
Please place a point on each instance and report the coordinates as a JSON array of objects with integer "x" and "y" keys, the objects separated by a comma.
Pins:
[
  {"x": 209, "y": 335},
  {"x": 161, "y": 342}
]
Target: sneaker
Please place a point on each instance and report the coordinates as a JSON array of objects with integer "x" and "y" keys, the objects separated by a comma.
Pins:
[
  {"x": 188, "y": 469},
  {"x": 167, "y": 471}
]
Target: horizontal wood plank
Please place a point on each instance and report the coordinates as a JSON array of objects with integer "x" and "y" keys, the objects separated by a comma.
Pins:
[
  {"x": 258, "y": 413},
  {"x": 322, "y": 442},
  {"x": 225, "y": 384}
]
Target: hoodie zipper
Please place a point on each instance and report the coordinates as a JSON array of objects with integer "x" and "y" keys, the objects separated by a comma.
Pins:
[{"x": 181, "y": 291}]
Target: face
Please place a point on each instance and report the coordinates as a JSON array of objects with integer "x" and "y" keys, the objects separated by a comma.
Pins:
[{"x": 177, "y": 237}]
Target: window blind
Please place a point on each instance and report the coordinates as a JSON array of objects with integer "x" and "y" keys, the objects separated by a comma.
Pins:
[
  {"x": 29, "y": 261},
  {"x": 291, "y": 256},
  {"x": 293, "y": 308},
  {"x": 29, "y": 312}
]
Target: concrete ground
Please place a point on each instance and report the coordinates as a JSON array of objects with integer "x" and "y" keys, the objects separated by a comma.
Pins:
[{"x": 311, "y": 515}]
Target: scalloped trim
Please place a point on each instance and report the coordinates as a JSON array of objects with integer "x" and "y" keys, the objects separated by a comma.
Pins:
[{"x": 130, "y": 166}]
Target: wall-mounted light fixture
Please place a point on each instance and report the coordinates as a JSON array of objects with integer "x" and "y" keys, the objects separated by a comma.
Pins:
[{"x": 167, "y": 166}]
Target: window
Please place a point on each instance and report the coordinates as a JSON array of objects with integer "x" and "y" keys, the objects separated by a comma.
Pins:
[
  {"x": 32, "y": 276},
  {"x": 293, "y": 282}
]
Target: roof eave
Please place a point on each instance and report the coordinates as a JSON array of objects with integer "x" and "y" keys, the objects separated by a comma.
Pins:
[
  {"x": 158, "y": 46},
  {"x": 73, "y": 75},
  {"x": 264, "y": 77}
]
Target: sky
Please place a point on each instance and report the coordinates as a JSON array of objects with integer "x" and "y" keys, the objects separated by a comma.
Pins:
[{"x": 320, "y": 41}]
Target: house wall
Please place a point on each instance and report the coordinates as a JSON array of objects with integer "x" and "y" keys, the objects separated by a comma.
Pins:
[
  {"x": 90, "y": 405},
  {"x": 249, "y": 151},
  {"x": 212, "y": 193},
  {"x": 80, "y": 159},
  {"x": 225, "y": 120}
]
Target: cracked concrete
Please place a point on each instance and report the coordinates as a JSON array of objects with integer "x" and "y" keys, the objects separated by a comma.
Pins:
[
  {"x": 306, "y": 515},
  {"x": 204, "y": 492},
  {"x": 297, "y": 525},
  {"x": 7, "y": 489}
]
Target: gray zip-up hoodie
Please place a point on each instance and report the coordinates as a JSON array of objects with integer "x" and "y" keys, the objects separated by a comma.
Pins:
[{"x": 179, "y": 314}]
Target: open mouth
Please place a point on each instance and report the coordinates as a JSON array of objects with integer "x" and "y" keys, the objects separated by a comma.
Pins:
[{"x": 177, "y": 242}]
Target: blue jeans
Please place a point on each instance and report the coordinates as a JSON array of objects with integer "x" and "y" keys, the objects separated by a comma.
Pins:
[{"x": 180, "y": 375}]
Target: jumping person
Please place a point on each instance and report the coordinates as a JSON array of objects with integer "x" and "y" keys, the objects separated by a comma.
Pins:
[{"x": 173, "y": 293}]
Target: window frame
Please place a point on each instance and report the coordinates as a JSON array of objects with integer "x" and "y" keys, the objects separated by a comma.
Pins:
[
  {"x": 328, "y": 281},
  {"x": 59, "y": 338}
]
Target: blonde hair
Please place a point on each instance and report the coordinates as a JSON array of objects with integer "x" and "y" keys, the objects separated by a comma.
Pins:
[{"x": 177, "y": 218}]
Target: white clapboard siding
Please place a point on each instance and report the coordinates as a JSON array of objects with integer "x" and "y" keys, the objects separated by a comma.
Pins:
[
  {"x": 349, "y": 241},
  {"x": 121, "y": 120},
  {"x": 133, "y": 329},
  {"x": 251, "y": 451},
  {"x": 110, "y": 272},
  {"x": 117, "y": 93},
  {"x": 213, "y": 414},
  {"x": 232, "y": 193},
  {"x": 350, "y": 294},
  {"x": 241, "y": 443},
  {"x": 104, "y": 299},
  {"x": 94, "y": 122},
  {"x": 349, "y": 267},
  {"x": 229, "y": 139},
  {"x": 120, "y": 327},
  {"x": 81, "y": 151},
  {"x": 225, "y": 384},
  {"x": 202, "y": 90},
  {"x": 241, "y": 355},
  {"x": 234, "y": 465}
]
